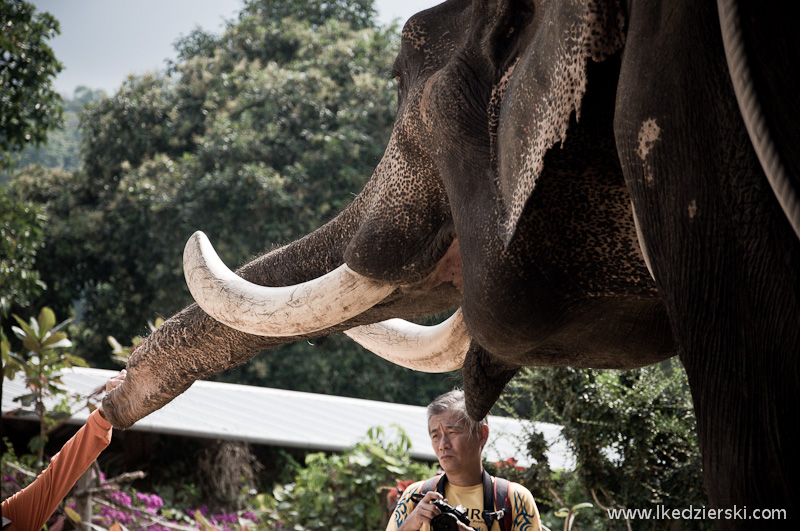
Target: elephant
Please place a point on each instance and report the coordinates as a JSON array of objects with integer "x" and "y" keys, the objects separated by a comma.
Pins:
[{"x": 592, "y": 183}]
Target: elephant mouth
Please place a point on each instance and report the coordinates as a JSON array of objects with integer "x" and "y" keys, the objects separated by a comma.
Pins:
[{"x": 325, "y": 302}]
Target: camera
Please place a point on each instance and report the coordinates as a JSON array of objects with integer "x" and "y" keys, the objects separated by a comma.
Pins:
[{"x": 448, "y": 520}]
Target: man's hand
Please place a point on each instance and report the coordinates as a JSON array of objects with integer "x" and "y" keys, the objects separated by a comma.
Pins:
[
  {"x": 115, "y": 381},
  {"x": 423, "y": 513}
]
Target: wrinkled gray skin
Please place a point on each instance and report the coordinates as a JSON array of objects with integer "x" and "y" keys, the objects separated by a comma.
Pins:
[{"x": 488, "y": 161}]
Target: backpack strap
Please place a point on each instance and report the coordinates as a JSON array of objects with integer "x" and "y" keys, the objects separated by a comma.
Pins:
[
  {"x": 434, "y": 483},
  {"x": 502, "y": 497},
  {"x": 496, "y": 502}
]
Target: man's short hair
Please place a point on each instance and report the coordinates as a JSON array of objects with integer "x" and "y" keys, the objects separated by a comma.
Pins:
[{"x": 453, "y": 401}]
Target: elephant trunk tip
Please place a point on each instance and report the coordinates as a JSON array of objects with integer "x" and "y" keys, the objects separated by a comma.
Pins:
[
  {"x": 123, "y": 405},
  {"x": 484, "y": 379},
  {"x": 114, "y": 415}
]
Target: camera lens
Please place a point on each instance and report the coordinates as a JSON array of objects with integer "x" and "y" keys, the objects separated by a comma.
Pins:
[{"x": 444, "y": 522}]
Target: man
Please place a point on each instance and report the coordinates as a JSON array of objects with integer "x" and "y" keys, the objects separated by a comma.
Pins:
[
  {"x": 29, "y": 509},
  {"x": 458, "y": 444}
]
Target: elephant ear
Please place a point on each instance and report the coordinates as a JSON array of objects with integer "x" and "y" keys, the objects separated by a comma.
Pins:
[{"x": 535, "y": 97}]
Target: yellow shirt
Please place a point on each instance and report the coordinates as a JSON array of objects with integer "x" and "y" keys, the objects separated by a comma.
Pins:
[{"x": 523, "y": 508}]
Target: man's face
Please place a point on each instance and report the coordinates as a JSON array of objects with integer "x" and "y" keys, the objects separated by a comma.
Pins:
[{"x": 455, "y": 446}]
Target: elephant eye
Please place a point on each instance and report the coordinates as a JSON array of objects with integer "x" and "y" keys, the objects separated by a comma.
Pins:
[
  {"x": 398, "y": 77},
  {"x": 396, "y": 74}
]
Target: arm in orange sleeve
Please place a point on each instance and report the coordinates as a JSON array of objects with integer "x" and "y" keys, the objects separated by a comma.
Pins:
[{"x": 30, "y": 508}]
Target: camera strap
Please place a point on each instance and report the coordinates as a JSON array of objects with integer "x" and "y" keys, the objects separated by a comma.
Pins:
[{"x": 495, "y": 496}]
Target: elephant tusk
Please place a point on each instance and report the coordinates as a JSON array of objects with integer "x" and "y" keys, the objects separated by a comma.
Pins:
[
  {"x": 275, "y": 311},
  {"x": 439, "y": 348}
]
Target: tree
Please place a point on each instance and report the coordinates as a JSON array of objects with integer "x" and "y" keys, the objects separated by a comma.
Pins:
[
  {"x": 359, "y": 14},
  {"x": 21, "y": 237},
  {"x": 29, "y": 107}
]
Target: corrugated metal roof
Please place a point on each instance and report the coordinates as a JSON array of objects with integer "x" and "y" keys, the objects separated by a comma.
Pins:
[{"x": 294, "y": 419}]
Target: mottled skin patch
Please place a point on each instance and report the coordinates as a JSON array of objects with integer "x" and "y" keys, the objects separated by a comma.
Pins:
[
  {"x": 649, "y": 135},
  {"x": 550, "y": 95},
  {"x": 692, "y": 209}
]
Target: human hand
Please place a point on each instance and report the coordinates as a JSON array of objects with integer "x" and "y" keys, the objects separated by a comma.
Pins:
[
  {"x": 423, "y": 513},
  {"x": 112, "y": 383}
]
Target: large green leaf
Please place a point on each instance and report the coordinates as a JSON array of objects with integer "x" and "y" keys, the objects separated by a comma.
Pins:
[
  {"x": 77, "y": 360},
  {"x": 36, "y": 444},
  {"x": 31, "y": 343},
  {"x": 61, "y": 343},
  {"x": 75, "y": 517},
  {"x": 47, "y": 320},
  {"x": 61, "y": 325},
  {"x": 23, "y": 330},
  {"x": 51, "y": 339},
  {"x": 34, "y": 327}
]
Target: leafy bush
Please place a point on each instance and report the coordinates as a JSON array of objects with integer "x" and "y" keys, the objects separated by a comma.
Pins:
[{"x": 343, "y": 492}]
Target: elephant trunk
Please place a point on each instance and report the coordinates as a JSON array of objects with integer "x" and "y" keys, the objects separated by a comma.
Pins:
[{"x": 192, "y": 345}]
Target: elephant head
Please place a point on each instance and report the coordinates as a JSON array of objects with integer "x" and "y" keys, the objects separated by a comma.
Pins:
[
  {"x": 527, "y": 132},
  {"x": 560, "y": 281}
]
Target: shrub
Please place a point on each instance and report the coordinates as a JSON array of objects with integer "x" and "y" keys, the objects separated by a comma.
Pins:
[{"x": 343, "y": 492}]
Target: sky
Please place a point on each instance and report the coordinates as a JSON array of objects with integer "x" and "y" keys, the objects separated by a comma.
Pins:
[{"x": 102, "y": 41}]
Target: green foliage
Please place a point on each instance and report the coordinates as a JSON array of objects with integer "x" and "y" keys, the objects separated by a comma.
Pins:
[
  {"x": 21, "y": 237},
  {"x": 61, "y": 150},
  {"x": 633, "y": 434},
  {"x": 45, "y": 343},
  {"x": 359, "y": 14},
  {"x": 29, "y": 107},
  {"x": 569, "y": 514},
  {"x": 341, "y": 492},
  {"x": 17, "y": 472}
]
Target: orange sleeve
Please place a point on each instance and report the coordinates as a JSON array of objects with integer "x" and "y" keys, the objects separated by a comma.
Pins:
[{"x": 30, "y": 508}]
